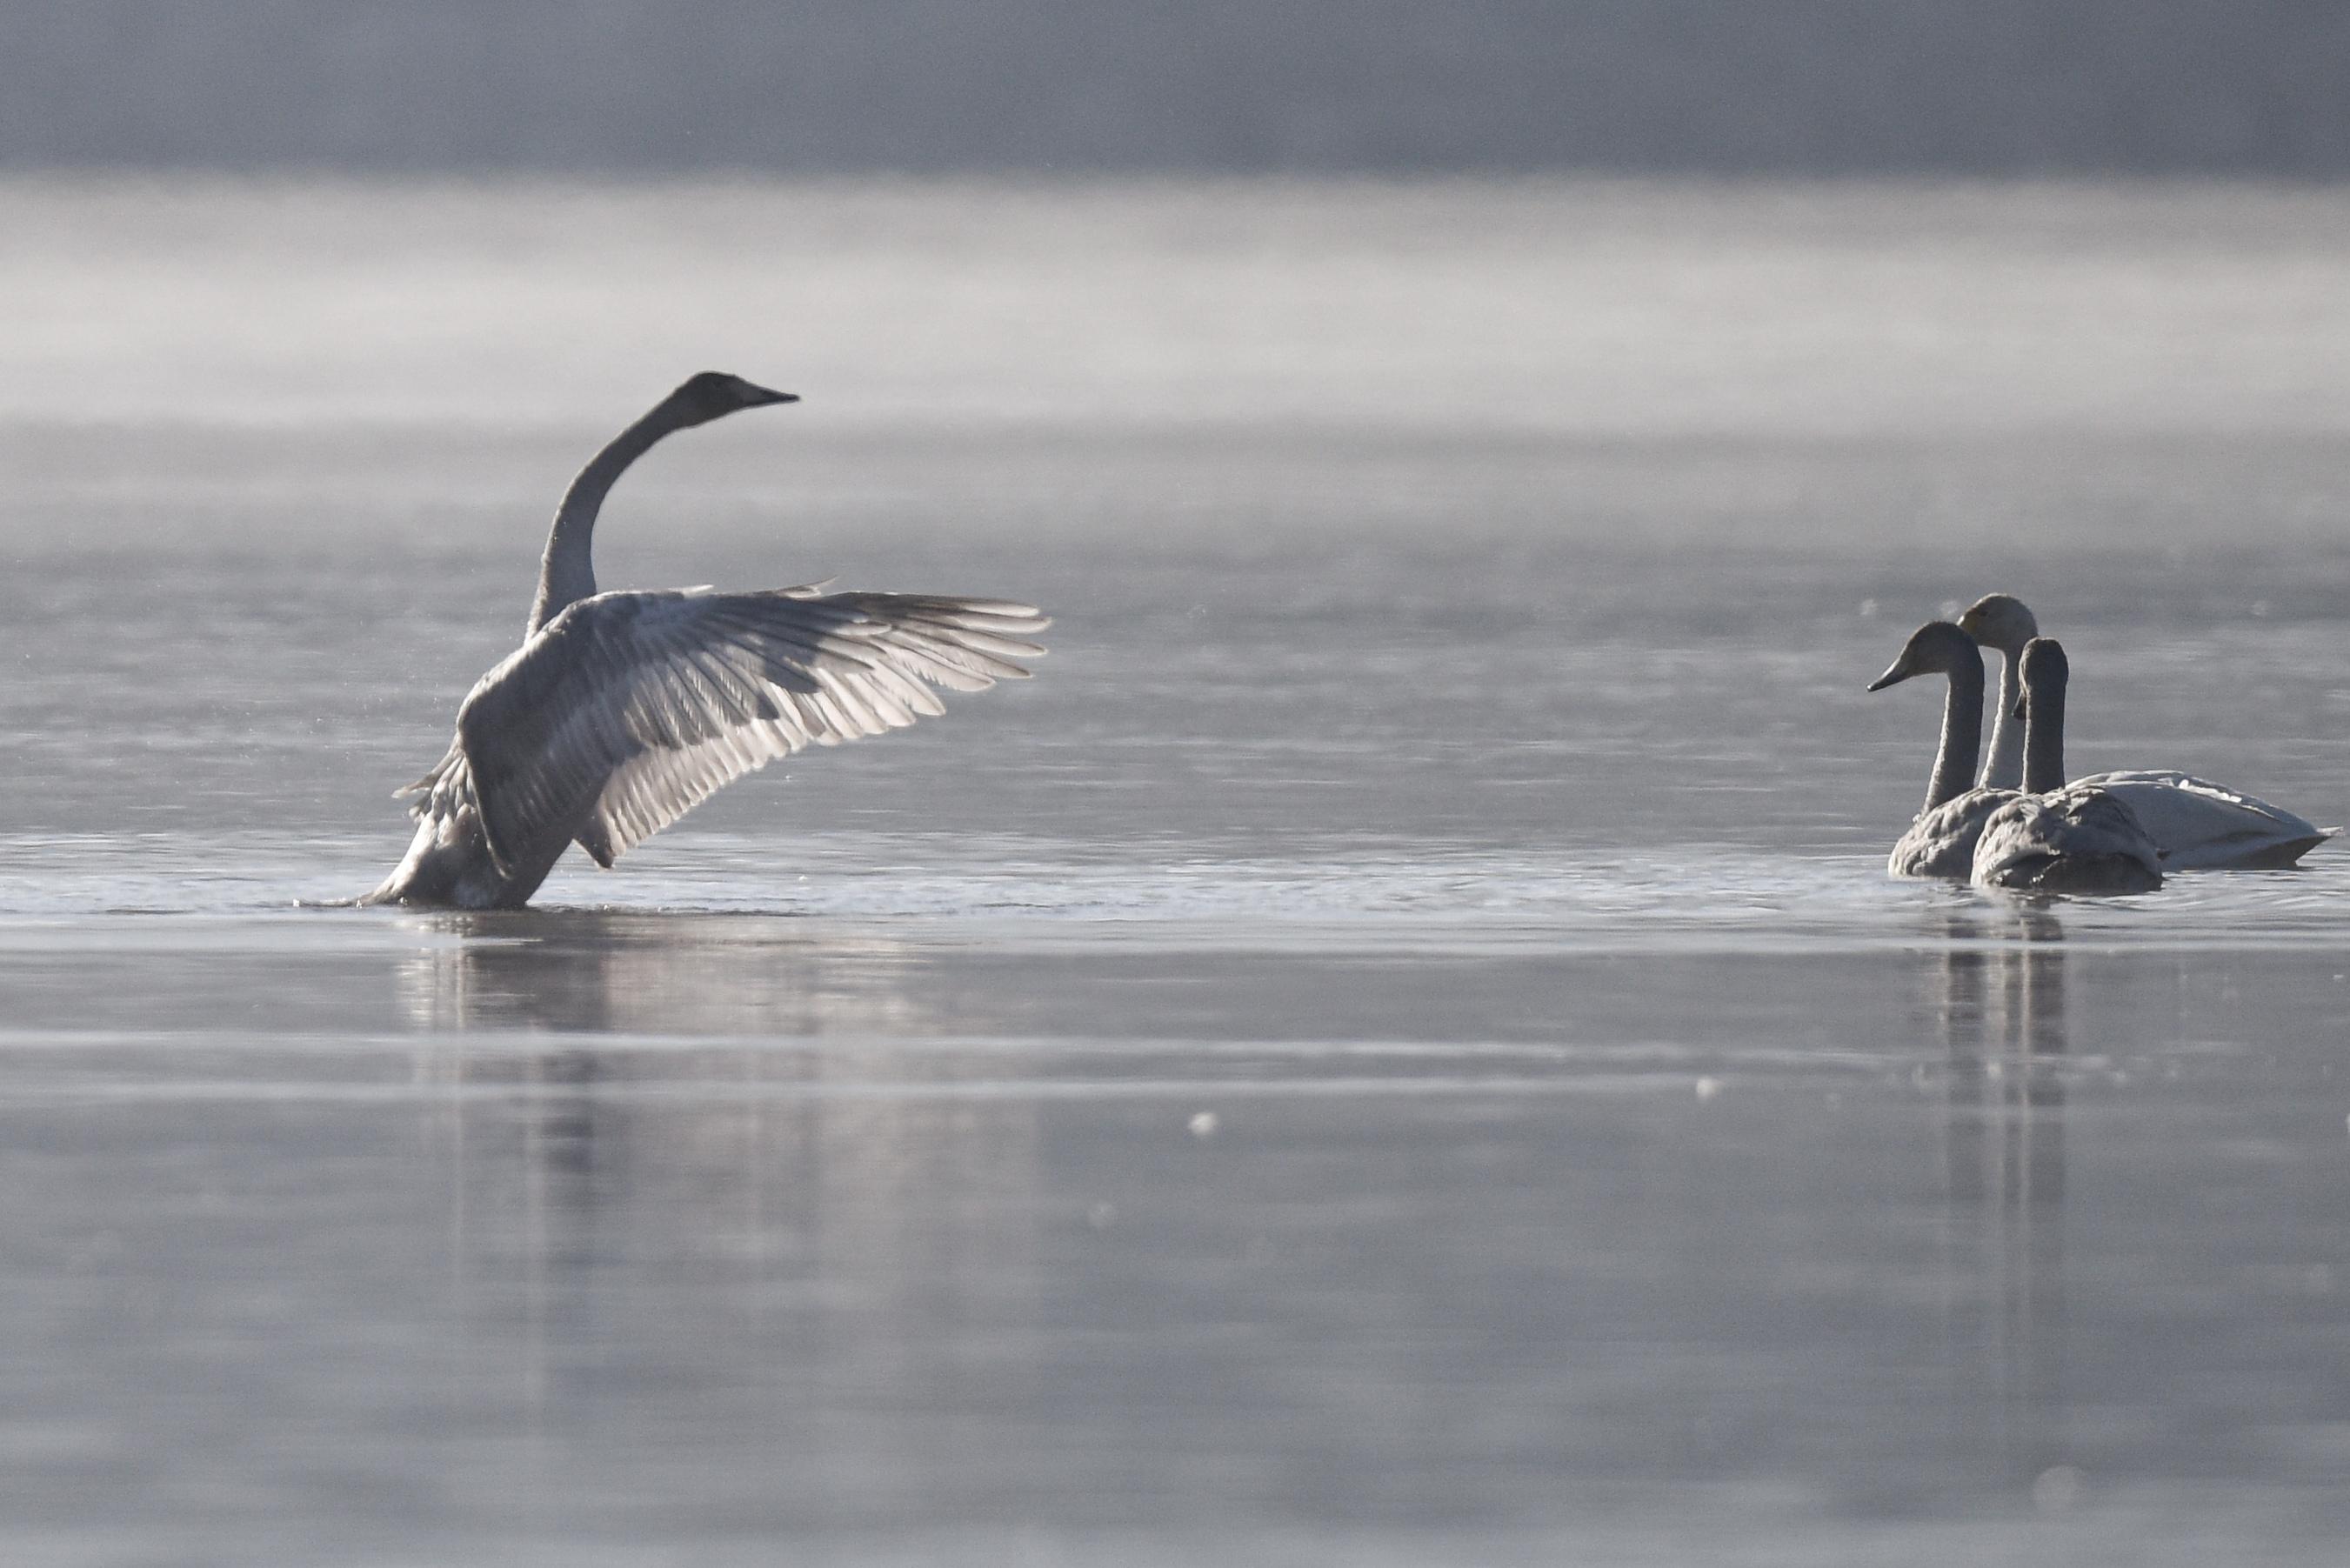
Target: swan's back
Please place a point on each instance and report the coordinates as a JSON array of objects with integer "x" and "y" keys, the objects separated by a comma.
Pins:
[
  {"x": 2078, "y": 840},
  {"x": 2201, "y": 824},
  {"x": 1941, "y": 842}
]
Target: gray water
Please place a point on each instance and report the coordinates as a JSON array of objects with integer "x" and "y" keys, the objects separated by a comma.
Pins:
[{"x": 1396, "y": 1047}]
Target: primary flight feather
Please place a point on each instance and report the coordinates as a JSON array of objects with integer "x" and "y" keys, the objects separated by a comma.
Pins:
[{"x": 621, "y": 711}]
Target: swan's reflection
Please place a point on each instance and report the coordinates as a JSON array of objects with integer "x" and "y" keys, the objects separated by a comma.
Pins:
[
  {"x": 2001, "y": 1003},
  {"x": 596, "y": 973},
  {"x": 735, "y": 1147}
]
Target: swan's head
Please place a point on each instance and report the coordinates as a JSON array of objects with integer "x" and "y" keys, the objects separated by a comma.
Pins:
[
  {"x": 2045, "y": 671},
  {"x": 1937, "y": 647},
  {"x": 2000, "y": 621},
  {"x": 715, "y": 394}
]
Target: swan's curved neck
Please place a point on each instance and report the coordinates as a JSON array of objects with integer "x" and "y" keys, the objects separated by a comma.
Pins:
[
  {"x": 1954, "y": 762},
  {"x": 568, "y": 572},
  {"x": 2044, "y": 739},
  {"x": 2004, "y": 768}
]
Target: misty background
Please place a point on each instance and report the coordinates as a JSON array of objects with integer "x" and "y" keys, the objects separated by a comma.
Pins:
[
  {"x": 1399, "y": 1045},
  {"x": 1862, "y": 86}
]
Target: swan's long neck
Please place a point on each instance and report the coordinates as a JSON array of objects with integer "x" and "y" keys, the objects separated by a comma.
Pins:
[
  {"x": 2043, "y": 738},
  {"x": 568, "y": 572},
  {"x": 1954, "y": 762},
  {"x": 2004, "y": 768}
]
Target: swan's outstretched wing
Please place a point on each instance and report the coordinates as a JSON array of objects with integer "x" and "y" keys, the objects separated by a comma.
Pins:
[
  {"x": 2203, "y": 825},
  {"x": 629, "y": 709}
]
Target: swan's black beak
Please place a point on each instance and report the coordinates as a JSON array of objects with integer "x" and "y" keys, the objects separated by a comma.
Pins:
[
  {"x": 760, "y": 396},
  {"x": 1893, "y": 677}
]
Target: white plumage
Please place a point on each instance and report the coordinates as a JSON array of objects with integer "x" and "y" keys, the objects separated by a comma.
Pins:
[
  {"x": 2200, "y": 825},
  {"x": 1941, "y": 842},
  {"x": 2078, "y": 840},
  {"x": 2057, "y": 837},
  {"x": 621, "y": 711}
]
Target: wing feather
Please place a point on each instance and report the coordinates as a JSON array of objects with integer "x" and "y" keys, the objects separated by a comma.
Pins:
[{"x": 630, "y": 709}]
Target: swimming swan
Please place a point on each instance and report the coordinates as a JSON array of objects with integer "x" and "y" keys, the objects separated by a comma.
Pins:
[
  {"x": 2000, "y": 622},
  {"x": 621, "y": 711},
  {"x": 2200, "y": 825},
  {"x": 2057, "y": 837},
  {"x": 1941, "y": 841}
]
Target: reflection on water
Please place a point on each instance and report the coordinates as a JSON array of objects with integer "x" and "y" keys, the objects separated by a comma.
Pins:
[
  {"x": 2001, "y": 1001},
  {"x": 715, "y": 1112},
  {"x": 591, "y": 971},
  {"x": 732, "y": 1156},
  {"x": 662, "y": 1227}
]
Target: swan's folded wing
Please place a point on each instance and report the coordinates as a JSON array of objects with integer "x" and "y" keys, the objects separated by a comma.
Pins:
[
  {"x": 1941, "y": 842},
  {"x": 629, "y": 709},
  {"x": 2081, "y": 838},
  {"x": 2201, "y": 824}
]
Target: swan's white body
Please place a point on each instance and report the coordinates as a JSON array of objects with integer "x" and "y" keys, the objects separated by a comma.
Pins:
[
  {"x": 1941, "y": 842},
  {"x": 2202, "y": 825},
  {"x": 2057, "y": 837},
  {"x": 2077, "y": 840},
  {"x": 621, "y": 711}
]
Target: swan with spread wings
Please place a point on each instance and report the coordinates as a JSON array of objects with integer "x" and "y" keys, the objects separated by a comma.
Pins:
[{"x": 621, "y": 711}]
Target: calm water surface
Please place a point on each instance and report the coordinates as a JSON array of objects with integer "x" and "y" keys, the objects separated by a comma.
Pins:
[{"x": 1397, "y": 1048}]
